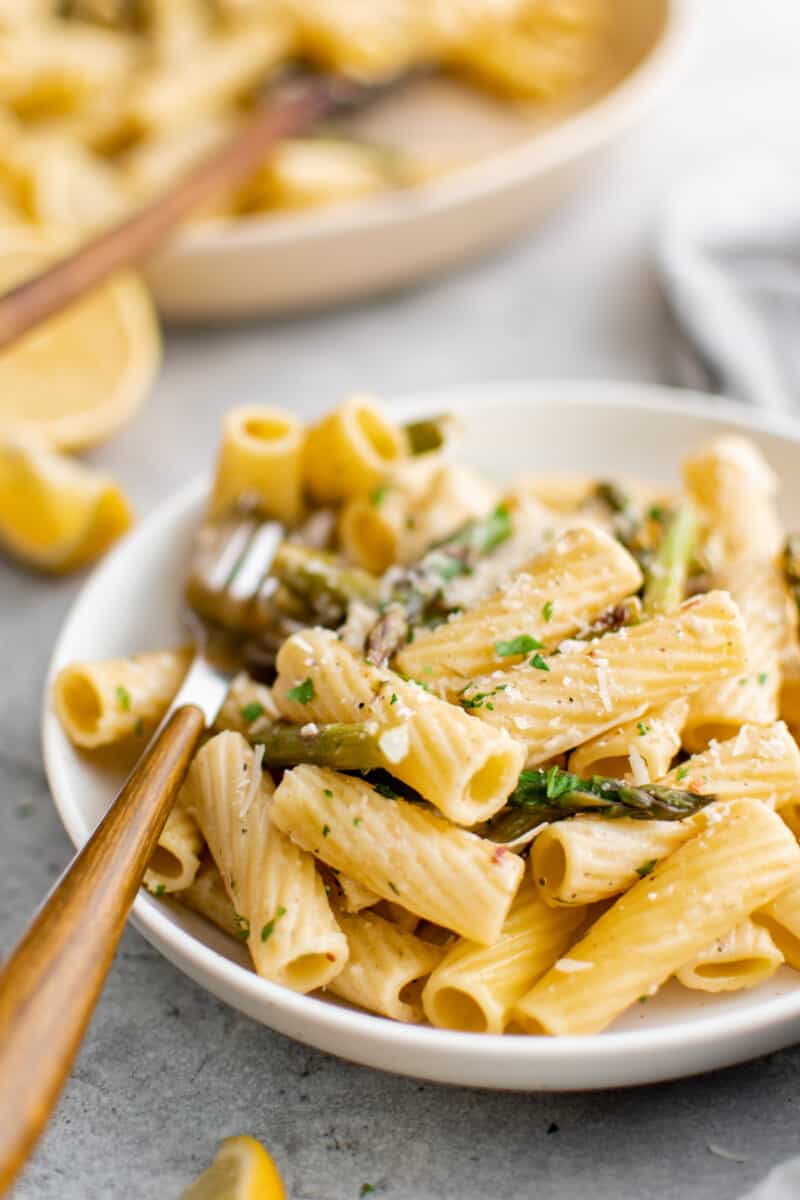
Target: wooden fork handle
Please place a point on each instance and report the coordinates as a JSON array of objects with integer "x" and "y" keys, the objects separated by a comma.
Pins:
[{"x": 50, "y": 983}]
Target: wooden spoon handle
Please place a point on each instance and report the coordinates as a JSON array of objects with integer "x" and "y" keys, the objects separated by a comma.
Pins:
[
  {"x": 138, "y": 235},
  {"x": 51, "y": 982}
]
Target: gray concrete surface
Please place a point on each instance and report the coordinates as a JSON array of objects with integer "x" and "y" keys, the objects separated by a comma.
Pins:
[{"x": 166, "y": 1070}]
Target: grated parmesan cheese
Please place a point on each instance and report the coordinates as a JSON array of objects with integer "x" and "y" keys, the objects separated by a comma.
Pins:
[
  {"x": 394, "y": 743},
  {"x": 248, "y": 794}
]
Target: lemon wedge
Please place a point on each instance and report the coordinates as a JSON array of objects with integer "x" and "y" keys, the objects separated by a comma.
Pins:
[
  {"x": 242, "y": 1170},
  {"x": 82, "y": 374},
  {"x": 55, "y": 514}
]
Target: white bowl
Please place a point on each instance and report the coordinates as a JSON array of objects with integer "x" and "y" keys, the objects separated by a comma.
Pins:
[
  {"x": 525, "y": 164},
  {"x": 131, "y": 603}
]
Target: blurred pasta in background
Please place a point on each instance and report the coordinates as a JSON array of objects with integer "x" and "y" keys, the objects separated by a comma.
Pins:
[{"x": 104, "y": 102}]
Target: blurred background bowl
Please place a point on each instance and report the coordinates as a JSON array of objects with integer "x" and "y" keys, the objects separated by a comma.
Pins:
[{"x": 520, "y": 163}]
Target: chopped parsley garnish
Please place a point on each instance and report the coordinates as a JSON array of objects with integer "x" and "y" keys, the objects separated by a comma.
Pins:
[
  {"x": 420, "y": 683},
  {"x": 244, "y": 928},
  {"x": 160, "y": 889},
  {"x": 682, "y": 773},
  {"x": 742, "y": 681},
  {"x": 366, "y": 1189},
  {"x": 326, "y": 830},
  {"x": 496, "y": 529},
  {"x": 643, "y": 728},
  {"x": 523, "y": 643},
  {"x": 383, "y": 789},
  {"x": 481, "y": 698},
  {"x": 377, "y": 496},
  {"x": 328, "y": 793},
  {"x": 138, "y": 728},
  {"x": 451, "y": 568},
  {"x": 656, "y": 513},
  {"x": 394, "y": 698},
  {"x": 538, "y": 662},
  {"x": 123, "y": 698},
  {"x": 763, "y": 677},
  {"x": 303, "y": 692},
  {"x": 252, "y": 711},
  {"x": 643, "y": 999},
  {"x": 268, "y": 929},
  {"x": 558, "y": 783},
  {"x": 646, "y": 868},
  {"x": 357, "y": 821},
  {"x": 547, "y": 610},
  {"x": 394, "y": 889}
]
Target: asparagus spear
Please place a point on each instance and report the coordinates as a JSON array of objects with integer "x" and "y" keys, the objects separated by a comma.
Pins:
[
  {"x": 344, "y": 747},
  {"x": 668, "y": 571},
  {"x": 415, "y": 590},
  {"x": 430, "y": 434},
  {"x": 551, "y": 795},
  {"x": 325, "y": 584},
  {"x": 637, "y": 530}
]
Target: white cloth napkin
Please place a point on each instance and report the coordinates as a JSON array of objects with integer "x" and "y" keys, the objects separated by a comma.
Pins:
[
  {"x": 782, "y": 1183},
  {"x": 728, "y": 255}
]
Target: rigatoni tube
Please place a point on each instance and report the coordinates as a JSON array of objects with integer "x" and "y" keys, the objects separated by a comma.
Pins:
[
  {"x": 261, "y": 456},
  {"x": 99, "y": 703},
  {"x": 740, "y": 860},
  {"x": 590, "y": 858},
  {"x": 742, "y": 958},
  {"x": 351, "y": 450},
  {"x": 400, "y": 851},
  {"x": 640, "y": 750},
  {"x": 386, "y": 967},
  {"x": 460, "y": 765},
  {"x": 554, "y": 595},
  {"x": 279, "y": 897},
  {"x": 475, "y": 987},
  {"x": 553, "y": 705},
  {"x": 781, "y": 917},
  {"x": 176, "y": 859}
]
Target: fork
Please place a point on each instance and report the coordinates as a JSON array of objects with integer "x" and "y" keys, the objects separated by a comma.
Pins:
[{"x": 50, "y": 983}]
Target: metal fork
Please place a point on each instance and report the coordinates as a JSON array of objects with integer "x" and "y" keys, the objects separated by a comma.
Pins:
[{"x": 50, "y": 983}]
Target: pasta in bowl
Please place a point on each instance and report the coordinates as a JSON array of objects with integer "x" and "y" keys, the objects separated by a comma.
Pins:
[
  {"x": 103, "y": 103},
  {"x": 522, "y": 837}
]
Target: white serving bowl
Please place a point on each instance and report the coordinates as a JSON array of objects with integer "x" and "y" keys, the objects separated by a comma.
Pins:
[
  {"x": 132, "y": 601},
  {"x": 525, "y": 164}
]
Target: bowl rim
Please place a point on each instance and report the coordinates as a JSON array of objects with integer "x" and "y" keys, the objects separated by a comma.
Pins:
[
  {"x": 600, "y": 121},
  {"x": 201, "y": 961}
]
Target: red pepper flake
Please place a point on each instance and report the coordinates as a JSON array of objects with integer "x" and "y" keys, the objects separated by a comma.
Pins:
[
  {"x": 330, "y": 957},
  {"x": 695, "y": 788},
  {"x": 497, "y": 856}
]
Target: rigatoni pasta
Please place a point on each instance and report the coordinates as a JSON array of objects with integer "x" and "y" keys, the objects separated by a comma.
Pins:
[
  {"x": 261, "y": 456},
  {"x": 400, "y": 851},
  {"x": 104, "y": 702},
  {"x": 279, "y": 898},
  {"x": 640, "y": 750},
  {"x": 386, "y": 967},
  {"x": 551, "y": 598},
  {"x": 691, "y": 898},
  {"x": 554, "y": 706},
  {"x": 590, "y": 858},
  {"x": 454, "y": 761},
  {"x": 116, "y": 80},
  {"x": 742, "y": 958},
  {"x": 478, "y": 722},
  {"x": 475, "y": 987}
]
